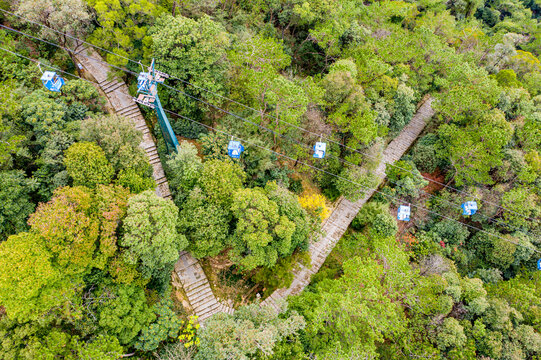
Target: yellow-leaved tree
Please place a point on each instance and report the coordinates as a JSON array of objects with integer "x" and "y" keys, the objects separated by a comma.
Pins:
[{"x": 315, "y": 204}]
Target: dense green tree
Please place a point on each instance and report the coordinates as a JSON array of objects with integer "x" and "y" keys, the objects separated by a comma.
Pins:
[
  {"x": 451, "y": 335},
  {"x": 403, "y": 108},
  {"x": 123, "y": 27},
  {"x": 214, "y": 146},
  {"x": 220, "y": 180},
  {"x": 256, "y": 63},
  {"x": 15, "y": 191},
  {"x": 186, "y": 167},
  {"x": 280, "y": 275},
  {"x": 333, "y": 325},
  {"x": 467, "y": 92},
  {"x": 475, "y": 149},
  {"x": 120, "y": 141},
  {"x": 193, "y": 51},
  {"x": 133, "y": 180},
  {"x": 252, "y": 330},
  {"x": 522, "y": 293},
  {"x": 69, "y": 17},
  {"x": 261, "y": 234},
  {"x": 82, "y": 97},
  {"x": 425, "y": 155},
  {"x": 450, "y": 232},
  {"x": 406, "y": 180},
  {"x": 150, "y": 233},
  {"x": 205, "y": 224},
  {"x": 87, "y": 165},
  {"x": 68, "y": 228},
  {"x": 126, "y": 313},
  {"x": 354, "y": 181},
  {"x": 43, "y": 114},
  {"x": 33, "y": 285},
  {"x": 521, "y": 205},
  {"x": 103, "y": 347},
  {"x": 52, "y": 173},
  {"x": 9, "y": 107},
  {"x": 166, "y": 326}
]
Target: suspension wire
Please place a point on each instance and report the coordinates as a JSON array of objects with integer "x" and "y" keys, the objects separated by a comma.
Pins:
[
  {"x": 251, "y": 108},
  {"x": 344, "y": 161},
  {"x": 68, "y": 49},
  {"x": 331, "y": 141},
  {"x": 67, "y": 35},
  {"x": 330, "y": 155},
  {"x": 501, "y": 223},
  {"x": 365, "y": 188},
  {"x": 40, "y": 63}
]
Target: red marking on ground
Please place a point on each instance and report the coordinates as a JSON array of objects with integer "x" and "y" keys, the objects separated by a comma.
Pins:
[{"x": 434, "y": 178}]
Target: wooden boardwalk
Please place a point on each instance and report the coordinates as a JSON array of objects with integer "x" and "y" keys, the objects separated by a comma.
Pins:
[
  {"x": 190, "y": 272},
  {"x": 345, "y": 211}
]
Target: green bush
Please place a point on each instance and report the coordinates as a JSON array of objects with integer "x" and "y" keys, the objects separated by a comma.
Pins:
[
  {"x": 384, "y": 225},
  {"x": 188, "y": 129},
  {"x": 425, "y": 153},
  {"x": 132, "y": 180},
  {"x": 507, "y": 78},
  {"x": 451, "y": 335}
]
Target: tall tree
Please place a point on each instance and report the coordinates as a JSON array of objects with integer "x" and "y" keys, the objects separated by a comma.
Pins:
[
  {"x": 119, "y": 140},
  {"x": 251, "y": 331},
  {"x": 475, "y": 149},
  {"x": 206, "y": 225},
  {"x": 33, "y": 284},
  {"x": 262, "y": 234},
  {"x": 150, "y": 233},
  {"x": 186, "y": 168},
  {"x": 15, "y": 191},
  {"x": 70, "y": 18},
  {"x": 126, "y": 313},
  {"x": 220, "y": 180},
  {"x": 124, "y": 28},
  {"x": 193, "y": 51},
  {"x": 359, "y": 305},
  {"x": 87, "y": 165}
]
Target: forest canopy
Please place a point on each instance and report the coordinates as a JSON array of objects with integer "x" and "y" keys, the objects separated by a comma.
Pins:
[{"x": 95, "y": 264}]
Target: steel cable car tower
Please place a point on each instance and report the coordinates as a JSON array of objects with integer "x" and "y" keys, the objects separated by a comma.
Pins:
[{"x": 147, "y": 88}]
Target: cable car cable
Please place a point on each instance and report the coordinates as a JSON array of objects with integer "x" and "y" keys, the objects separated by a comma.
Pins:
[
  {"x": 345, "y": 179},
  {"x": 264, "y": 114},
  {"x": 499, "y": 222},
  {"x": 306, "y": 164}
]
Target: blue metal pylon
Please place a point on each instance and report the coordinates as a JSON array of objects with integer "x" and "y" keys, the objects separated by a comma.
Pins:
[{"x": 147, "y": 88}]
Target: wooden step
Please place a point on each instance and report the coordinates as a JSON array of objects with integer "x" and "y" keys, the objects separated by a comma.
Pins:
[
  {"x": 112, "y": 88},
  {"x": 131, "y": 111}
]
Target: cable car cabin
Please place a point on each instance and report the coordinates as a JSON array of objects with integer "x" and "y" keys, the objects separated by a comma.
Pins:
[
  {"x": 469, "y": 208},
  {"x": 234, "y": 149},
  {"x": 144, "y": 82},
  {"x": 52, "y": 81},
  {"x": 403, "y": 213},
  {"x": 319, "y": 150}
]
